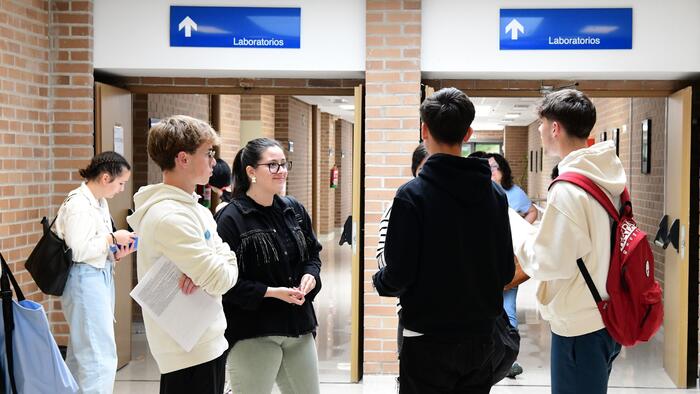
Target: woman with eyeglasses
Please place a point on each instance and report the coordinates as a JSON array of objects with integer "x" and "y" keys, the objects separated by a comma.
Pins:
[{"x": 271, "y": 319}]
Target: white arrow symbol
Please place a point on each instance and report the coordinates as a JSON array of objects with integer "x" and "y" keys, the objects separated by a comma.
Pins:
[
  {"x": 513, "y": 27},
  {"x": 188, "y": 24}
]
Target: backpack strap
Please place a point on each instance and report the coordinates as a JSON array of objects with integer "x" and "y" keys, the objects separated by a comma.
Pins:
[
  {"x": 594, "y": 190},
  {"x": 589, "y": 280}
]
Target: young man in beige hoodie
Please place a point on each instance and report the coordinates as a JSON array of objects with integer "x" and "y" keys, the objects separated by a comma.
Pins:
[
  {"x": 171, "y": 223},
  {"x": 574, "y": 225}
]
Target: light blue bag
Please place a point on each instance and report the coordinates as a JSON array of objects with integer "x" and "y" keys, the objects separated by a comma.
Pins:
[{"x": 29, "y": 356}]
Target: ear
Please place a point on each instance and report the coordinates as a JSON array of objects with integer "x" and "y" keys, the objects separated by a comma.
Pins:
[
  {"x": 105, "y": 178},
  {"x": 182, "y": 158},
  {"x": 470, "y": 132},
  {"x": 556, "y": 129},
  {"x": 424, "y": 132},
  {"x": 250, "y": 171}
]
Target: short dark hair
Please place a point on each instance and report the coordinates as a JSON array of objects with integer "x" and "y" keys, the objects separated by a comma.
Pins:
[
  {"x": 419, "y": 154},
  {"x": 220, "y": 175},
  {"x": 448, "y": 114},
  {"x": 108, "y": 162},
  {"x": 479, "y": 154},
  {"x": 249, "y": 155},
  {"x": 572, "y": 109},
  {"x": 504, "y": 167}
]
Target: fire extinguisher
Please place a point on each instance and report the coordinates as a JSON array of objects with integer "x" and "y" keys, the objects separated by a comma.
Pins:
[{"x": 334, "y": 177}]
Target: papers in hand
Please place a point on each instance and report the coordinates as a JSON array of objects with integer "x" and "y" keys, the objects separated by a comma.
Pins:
[
  {"x": 183, "y": 317},
  {"x": 520, "y": 229}
]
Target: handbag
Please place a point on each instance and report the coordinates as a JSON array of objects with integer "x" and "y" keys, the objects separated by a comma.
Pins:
[
  {"x": 31, "y": 361},
  {"x": 507, "y": 341},
  {"x": 50, "y": 261}
]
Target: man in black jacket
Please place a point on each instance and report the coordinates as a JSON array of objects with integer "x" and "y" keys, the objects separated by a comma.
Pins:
[{"x": 449, "y": 255}]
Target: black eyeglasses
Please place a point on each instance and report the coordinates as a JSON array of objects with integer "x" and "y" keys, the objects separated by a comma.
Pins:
[{"x": 274, "y": 167}]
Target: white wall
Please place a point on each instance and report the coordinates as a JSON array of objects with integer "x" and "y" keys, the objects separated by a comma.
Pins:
[
  {"x": 461, "y": 40},
  {"x": 132, "y": 38}
]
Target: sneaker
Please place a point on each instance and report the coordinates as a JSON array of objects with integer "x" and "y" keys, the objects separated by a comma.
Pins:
[{"x": 515, "y": 370}]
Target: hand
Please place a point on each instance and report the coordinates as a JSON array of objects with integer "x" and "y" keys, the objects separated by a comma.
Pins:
[
  {"x": 123, "y": 237},
  {"x": 308, "y": 283},
  {"x": 123, "y": 250},
  {"x": 186, "y": 285},
  {"x": 286, "y": 294}
]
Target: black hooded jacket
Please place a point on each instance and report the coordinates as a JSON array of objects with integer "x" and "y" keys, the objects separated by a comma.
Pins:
[{"x": 448, "y": 249}]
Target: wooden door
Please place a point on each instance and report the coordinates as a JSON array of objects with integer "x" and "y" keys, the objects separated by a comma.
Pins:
[{"x": 113, "y": 131}]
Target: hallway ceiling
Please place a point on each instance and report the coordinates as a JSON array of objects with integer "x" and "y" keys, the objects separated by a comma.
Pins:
[
  {"x": 493, "y": 113},
  {"x": 340, "y": 106}
]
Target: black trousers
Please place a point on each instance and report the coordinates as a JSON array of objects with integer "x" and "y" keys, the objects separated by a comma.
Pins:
[
  {"x": 206, "y": 378},
  {"x": 432, "y": 365}
]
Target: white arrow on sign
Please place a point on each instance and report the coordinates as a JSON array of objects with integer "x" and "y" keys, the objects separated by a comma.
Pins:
[
  {"x": 188, "y": 24},
  {"x": 513, "y": 27}
]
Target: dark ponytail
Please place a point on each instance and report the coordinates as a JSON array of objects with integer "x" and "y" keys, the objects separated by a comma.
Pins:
[
  {"x": 249, "y": 156},
  {"x": 110, "y": 162}
]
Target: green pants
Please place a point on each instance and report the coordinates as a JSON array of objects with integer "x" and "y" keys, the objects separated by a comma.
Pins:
[{"x": 254, "y": 365}]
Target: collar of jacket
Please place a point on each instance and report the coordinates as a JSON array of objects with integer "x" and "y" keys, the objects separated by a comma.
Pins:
[{"x": 248, "y": 205}]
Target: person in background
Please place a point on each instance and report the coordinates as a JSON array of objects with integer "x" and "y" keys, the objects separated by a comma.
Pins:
[
  {"x": 272, "y": 322},
  {"x": 517, "y": 200},
  {"x": 176, "y": 227},
  {"x": 420, "y": 155},
  {"x": 85, "y": 224},
  {"x": 220, "y": 182}
]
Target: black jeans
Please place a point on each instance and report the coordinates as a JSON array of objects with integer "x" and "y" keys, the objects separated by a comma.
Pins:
[
  {"x": 432, "y": 365},
  {"x": 205, "y": 378}
]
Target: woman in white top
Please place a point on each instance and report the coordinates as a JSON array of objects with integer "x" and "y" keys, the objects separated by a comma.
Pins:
[{"x": 85, "y": 224}]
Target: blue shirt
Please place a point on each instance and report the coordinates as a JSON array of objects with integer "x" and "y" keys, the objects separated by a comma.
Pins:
[{"x": 518, "y": 200}]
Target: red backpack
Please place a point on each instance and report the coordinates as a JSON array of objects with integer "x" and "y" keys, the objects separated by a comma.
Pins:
[{"x": 634, "y": 312}]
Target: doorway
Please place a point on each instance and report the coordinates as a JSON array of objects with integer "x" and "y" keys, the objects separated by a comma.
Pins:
[{"x": 314, "y": 149}]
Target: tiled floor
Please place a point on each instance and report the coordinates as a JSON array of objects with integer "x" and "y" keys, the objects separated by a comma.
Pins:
[{"x": 637, "y": 371}]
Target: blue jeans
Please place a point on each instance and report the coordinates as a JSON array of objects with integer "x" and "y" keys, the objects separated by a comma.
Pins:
[
  {"x": 509, "y": 298},
  {"x": 582, "y": 364},
  {"x": 88, "y": 305}
]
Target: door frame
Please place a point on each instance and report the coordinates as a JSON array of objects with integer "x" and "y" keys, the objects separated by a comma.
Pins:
[{"x": 287, "y": 87}]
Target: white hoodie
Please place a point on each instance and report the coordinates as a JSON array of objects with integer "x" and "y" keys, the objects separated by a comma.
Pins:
[
  {"x": 170, "y": 222},
  {"x": 574, "y": 225}
]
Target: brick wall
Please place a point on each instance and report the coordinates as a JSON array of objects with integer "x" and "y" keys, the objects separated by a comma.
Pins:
[
  {"x": 326, "y": 161},
  {"x": 343, "y": 157},
  {"x": 515, "y": 151},
  {"x": 229, "y": 127},
  {"x": 293, "y": 123},
  {"x": 647, "y": 190},
  {"x": 614, "y": 113},
  {"x": 257, "y": 117},
  {"x": 391, "y": 134},
  {"x": 46, "y": 124},
  {"x": 139, "y": 111}
]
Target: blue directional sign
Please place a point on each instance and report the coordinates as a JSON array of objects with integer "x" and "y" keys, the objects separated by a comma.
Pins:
[
  {"x": 567, "y": 28},
  {"x": 238, "y": 27}
]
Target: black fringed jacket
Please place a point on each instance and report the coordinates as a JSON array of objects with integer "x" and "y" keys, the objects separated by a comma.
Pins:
[{"x": 275, "y": 246}]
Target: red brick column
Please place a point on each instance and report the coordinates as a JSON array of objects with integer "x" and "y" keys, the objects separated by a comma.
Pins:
[
  {"x": 229, "y": 126},
  {"x": 391, "y": 133},
  {"x": 326, "y": 160}
]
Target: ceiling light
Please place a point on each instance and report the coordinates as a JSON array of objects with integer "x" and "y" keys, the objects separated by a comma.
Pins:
[
  {"x": 483, "y": 110},
  {"x": 347, "y": 107},
  {"x": 486, "y": 126},
  {"x": 507, "y": 120},
  {"x": 511, "y": 115}
]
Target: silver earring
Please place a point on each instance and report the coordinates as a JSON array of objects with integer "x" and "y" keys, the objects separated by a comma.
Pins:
[{"x": 253, "y": 179}]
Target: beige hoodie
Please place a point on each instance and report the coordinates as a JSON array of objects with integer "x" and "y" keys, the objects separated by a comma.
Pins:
[
  {"x": 170, "y": 222},
  {"x": 574, "y": 225}
]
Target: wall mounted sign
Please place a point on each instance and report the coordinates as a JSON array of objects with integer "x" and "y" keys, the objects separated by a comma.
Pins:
[
  {"x": 235, "y": 27},
  {"x": 565, "y": 28}
]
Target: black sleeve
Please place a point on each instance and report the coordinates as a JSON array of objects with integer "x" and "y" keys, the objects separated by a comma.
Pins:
[
  {"x": 506, "y": 256},
  {"x": 248, "y": 294},
  {"x": 401, "y": 251},
  {"x": 311, "y": 266}
]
